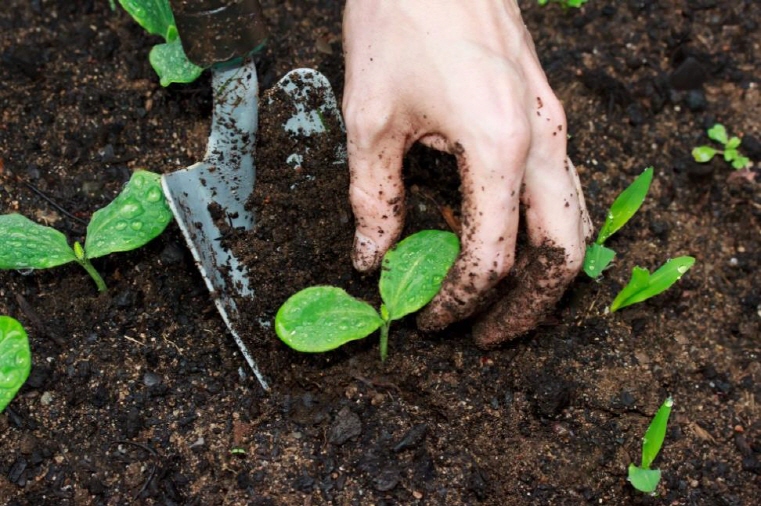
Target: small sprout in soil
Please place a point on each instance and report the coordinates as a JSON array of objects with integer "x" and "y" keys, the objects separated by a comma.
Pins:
[
  {"x": 15, "y": 359},
  {"x": 322, "y": 318},
  {"x": 704, "y": 154},
  {"x": 168, "y": 59},
  {"x": 642, "y": 477},
  {"x": 644, "y": 285},
  {"x": 564, "y": 3},
  {"x": 240, "y": 452},
  {"x": 598, "y": 257},
  {"x": 137, "y": 215}
]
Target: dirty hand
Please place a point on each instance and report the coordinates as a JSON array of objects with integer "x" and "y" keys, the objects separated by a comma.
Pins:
[{"x": 463, "y": 77}]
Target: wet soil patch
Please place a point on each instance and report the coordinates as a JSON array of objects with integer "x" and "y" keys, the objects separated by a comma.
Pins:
[{"x": 139, "y": 396}]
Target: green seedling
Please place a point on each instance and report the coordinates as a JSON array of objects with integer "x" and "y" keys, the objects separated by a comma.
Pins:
[
  {"x": 564, "y": 3},
  {"x": 322, "y": 318},
  {"x": 642, "y": 477},
  {"x": 598, "y": 257},
  {"x": 167, "y": 59},
  {"x": 15, "y": 359},
  {"x": 704, "y": 154},
  {"x": 137, "y": 215},
  {"x": 644, "y": 285}
]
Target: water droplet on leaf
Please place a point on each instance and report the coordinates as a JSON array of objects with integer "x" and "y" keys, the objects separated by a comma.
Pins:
[{"x": 153, "y": 194}]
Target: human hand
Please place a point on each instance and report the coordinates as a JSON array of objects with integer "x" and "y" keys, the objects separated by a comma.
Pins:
[{"x": 463, "y": 77}]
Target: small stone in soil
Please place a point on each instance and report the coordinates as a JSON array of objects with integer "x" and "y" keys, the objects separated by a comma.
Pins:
[
  {"x": 150, "y": 379},
  {"x": 346, "y": 426},
  {"x": 387, "y": 479},
  {"x": 412, "y": 438}
]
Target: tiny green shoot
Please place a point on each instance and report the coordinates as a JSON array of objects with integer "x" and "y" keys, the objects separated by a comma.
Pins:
[
  {"x": 598, "y": 257},
  {"x": 564, "y": 3},
  {"x": 137, "y": 215},
  {"x": 167, "y": 59},
  {"x": 642, "y": 477},
  {"x": 322, "y": 318},
  {"x": 644, "y": 285},
  {"x": 15, "y": 359},
  {"x": 718, "y": 133}
]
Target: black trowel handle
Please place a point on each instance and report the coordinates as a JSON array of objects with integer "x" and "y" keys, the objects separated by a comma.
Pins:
[{"x": 214, "y": 31}]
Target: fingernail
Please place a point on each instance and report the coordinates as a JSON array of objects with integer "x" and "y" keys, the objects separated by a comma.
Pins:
[{"x": 365, "y": 254}]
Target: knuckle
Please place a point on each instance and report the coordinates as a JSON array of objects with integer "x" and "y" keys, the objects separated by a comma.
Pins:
[
  {"x": 502, "y": 135},
  {"x": 366, "y": 121}
]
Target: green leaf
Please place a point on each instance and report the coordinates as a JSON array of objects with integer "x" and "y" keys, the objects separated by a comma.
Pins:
[
  {"x": 15, "y": 359},
  {"x": 322, "y": 318},
  {"x": 137, "y": 215},
  {"x": 740, "y": 162},
  {"x": 733, "y": 143},
  {"x": 172, "y": 65},
  {"x": 656, "y": 433},
  {"x": 643, "y": 285},
  {"x": 718, "y": 133},
  {"x": 412, "y": 272},
  {"x": 644, "y": 480},
  {"x": 155, "y": 16},
  {"x": 703, "y": 154},
  {"x": 597, "y": 259},
  {"x": 625, "y": 205},
  {"x": 730, "y": 155},
  {"x": 29, "y": 245},
  {"x": 638, "y": 282}
]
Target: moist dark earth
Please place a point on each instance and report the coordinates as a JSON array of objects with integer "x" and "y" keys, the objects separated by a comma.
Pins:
[{"x": 139, "y": 396}]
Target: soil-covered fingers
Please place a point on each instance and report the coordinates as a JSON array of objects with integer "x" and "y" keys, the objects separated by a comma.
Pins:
[
  {"x": 376, "y": 189},
  {"x": 491, "y": 169},
  {"x": 558, "y": 226}
]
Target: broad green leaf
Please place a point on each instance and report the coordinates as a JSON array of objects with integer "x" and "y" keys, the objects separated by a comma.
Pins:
[
  {"x": 412, "y": 272},
  {"x": 322, "y": 318},
  {"x": 733, "y": 143},
  {"x": 644, "y": 480},
  {"x": 597, "y": 259},
  {"x": 730, "y": 155},
  {"x": 15, "y": 359},
  {"x": 29, "y": 245},
  {"x": 155, "y": 16},
  {"x": 718, "y": 133},
  {"x": 740, "y": 162},
  {"x": 643, "y": 286},
  {"x": 703, "y": 154},
  {"x": 625, "y": 205},
  {"x": 172, "y": 65},
  {"x": 653, "y": 440},
  {"x": 137, "y": 215}
]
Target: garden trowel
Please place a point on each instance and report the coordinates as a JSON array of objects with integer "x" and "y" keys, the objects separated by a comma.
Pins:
[{"x": 209, "y": 198}]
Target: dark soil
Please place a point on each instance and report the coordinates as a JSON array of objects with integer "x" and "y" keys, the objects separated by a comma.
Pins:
[{"x": 139, "y": 396}]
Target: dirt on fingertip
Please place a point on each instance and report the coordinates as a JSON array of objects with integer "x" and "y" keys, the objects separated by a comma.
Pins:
[{"x": 138, "y": 395}]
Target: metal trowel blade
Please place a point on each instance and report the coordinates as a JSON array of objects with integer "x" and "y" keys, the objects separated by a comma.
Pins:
[{"x": 209, "y": 198}]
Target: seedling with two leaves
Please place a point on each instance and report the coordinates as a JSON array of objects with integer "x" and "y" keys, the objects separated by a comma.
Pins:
[
  {"x": 718, "y": 133},
  {"x": 167, "y": 59},
  {"x": 598, "y": 257},
  {"x": 15, "y": 359},
  {"x": 137, "y": 215},
  {"x": 642, "y": 477},
  {"x": 322, "y": 318}
]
